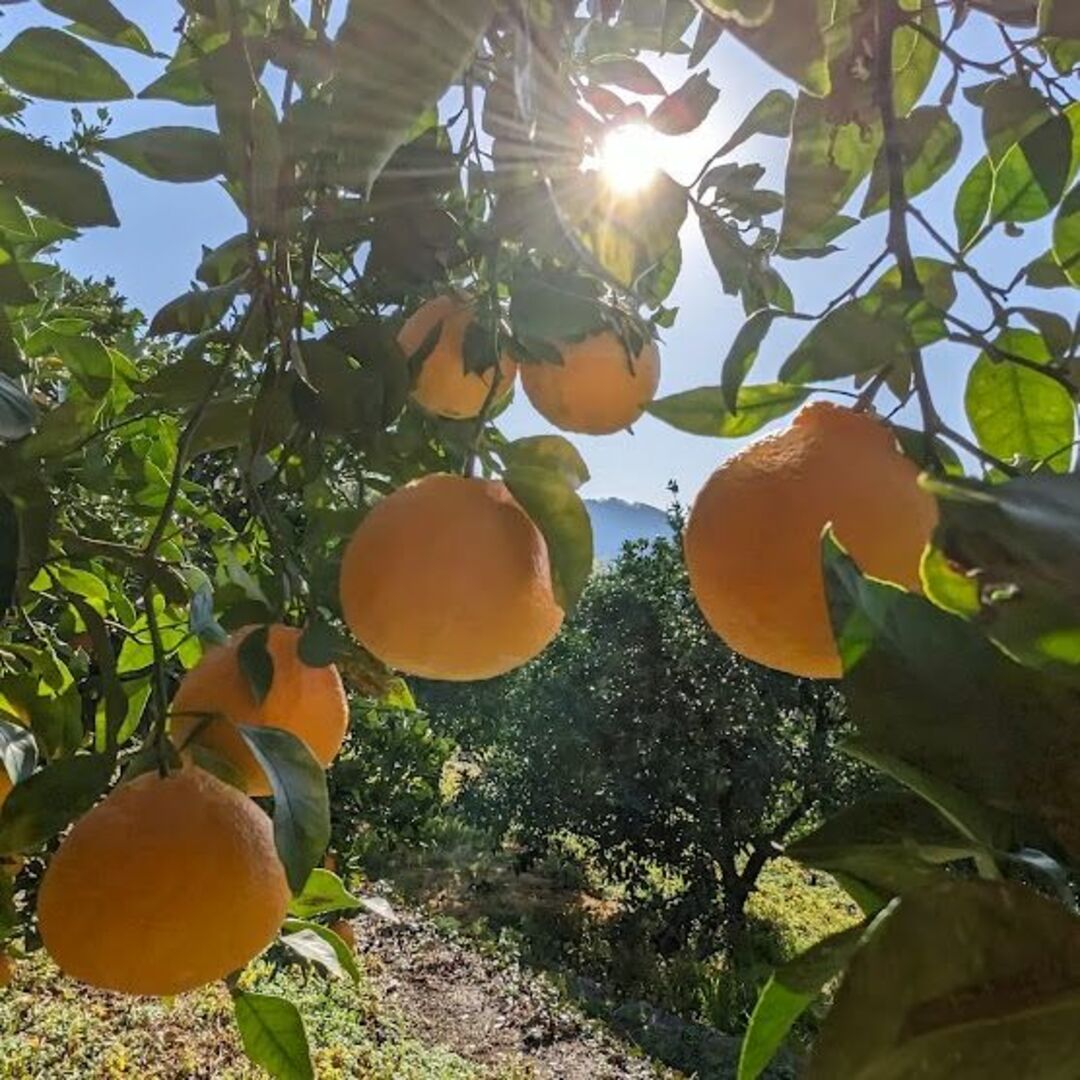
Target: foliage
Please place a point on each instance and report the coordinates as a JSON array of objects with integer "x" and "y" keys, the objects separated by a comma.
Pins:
[
  {"x": 385, "y": 788},
  {"x": 150, "y": 497},
  {"x": 640, "y": 733}
]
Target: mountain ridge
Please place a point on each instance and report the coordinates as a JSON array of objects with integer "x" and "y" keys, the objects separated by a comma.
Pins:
[{"x": 615, "y": 521}]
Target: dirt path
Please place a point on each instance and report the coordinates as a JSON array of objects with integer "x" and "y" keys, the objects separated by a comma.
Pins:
[{"x": 485, "y": 1010}]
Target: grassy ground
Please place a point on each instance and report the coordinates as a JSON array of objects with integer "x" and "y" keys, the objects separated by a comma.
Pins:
[{"x": 52, "y": 1028}]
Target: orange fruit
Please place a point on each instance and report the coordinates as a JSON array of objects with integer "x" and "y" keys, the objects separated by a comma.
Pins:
[
  {"x": 5, "y": 785},
  {"x": 598, "y": 388},
  {"x": 307, "y": 701},
  {"x": 167, "y": 884},
  {"x": 753, "y": 537},
  {"x": 448, "y": 578},
  {"x": 444, "y": 386},
  {"x": 344, "y": 930}
]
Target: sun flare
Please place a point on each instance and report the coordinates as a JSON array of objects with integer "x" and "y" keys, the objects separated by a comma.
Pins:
[{"x": 629, "y": 158}]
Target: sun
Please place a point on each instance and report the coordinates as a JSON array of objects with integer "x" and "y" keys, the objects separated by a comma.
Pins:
[{"x": 629, "y": 158}]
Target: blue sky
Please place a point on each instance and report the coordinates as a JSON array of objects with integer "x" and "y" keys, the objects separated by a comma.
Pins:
[{"x": 154, "y": 252}]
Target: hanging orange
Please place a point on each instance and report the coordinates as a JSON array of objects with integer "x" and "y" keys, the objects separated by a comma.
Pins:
[
  {"x": 167, "y": 884},
  {"x": 753, "y": 537},
  {"x": 598, "y": 388},
  {"x": 215, "y": 695},
  {"x": 448, "y": 578},
  {"x": 444, "y": 386}
]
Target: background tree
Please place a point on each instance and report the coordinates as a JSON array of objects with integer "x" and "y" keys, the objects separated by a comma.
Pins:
[{"x": 640, "y": 732}]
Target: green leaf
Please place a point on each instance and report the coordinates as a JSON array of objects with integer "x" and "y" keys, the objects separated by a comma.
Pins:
[
  {"x": 1033, "y": 175},
  {"x": 858, "y": 336},
  {"x": 705, "y": 411},
  {"x": 182, "y": 83},
  {"x": 551, "y": 452},
  {"x": 374, "y": 108},
  {"x": 770, "y": 116},
  {"x": 18, "y": 751},
  {"x": 630, "y": 74},
  {"x": 624, "y": 236},
  {"x": 1017, "y": 545},
  {"x": 196, "y": 311},
  {"x": 787, "y": 995},
  {"x": 320, "y": 945},
  {"x": 973, "y": 202},
  {"x": 1067, "y": 236},
  {"x": 990, "y": 762},
  {"x": 46, "y": 803},
  {"x": 554, "y": 306},
  {"x": 981, "y": 975},
  {"x": 1046, "y": 273},
  {"x": 560, "y": 515},
  {"x": 256, "y": 663},
  {"x": 273, "y": 1035},
  {"x": 100, "y": 20},
  {"x": 50, "y": 64},
  {"x": 301, "y": 803},
  {"x": 889, "y": 843},
  {"x": 323, "y": 892},
  {"x": 54, "y": 182},
  {"x": 18, "y": 414},
  {"x": 827, "y": 162},
  {"x": 741, "y": 12},
  {"x": 802, "y": 54},
  {"x": 685, "y": 109},
  {"x": 177, "y": 154},
  {"x": 1055, "y": 329},
  {"x": 1016, "y": 412},
  {"x": 929, "y": 141},
  {"x": 1011, "y": 109},
  {"x": 743, "y": 352}
]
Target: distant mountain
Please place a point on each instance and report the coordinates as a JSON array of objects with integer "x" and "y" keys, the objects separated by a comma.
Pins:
[{"x": 615, "y": 521}]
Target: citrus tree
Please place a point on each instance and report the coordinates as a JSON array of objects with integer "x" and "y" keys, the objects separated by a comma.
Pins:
[{"x": 188, "y": 531}]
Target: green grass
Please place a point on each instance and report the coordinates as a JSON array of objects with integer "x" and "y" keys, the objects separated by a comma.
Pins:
[{"x": 50, "y": 1027}]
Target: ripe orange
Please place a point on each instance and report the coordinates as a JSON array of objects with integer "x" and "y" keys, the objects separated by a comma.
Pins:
[
  {"x": 598, "y": 388},
  {"x": 448, "y": 578},
  {"x": 443, "y": 386},
  {"x": 753, "y": 538},
  {"x": 307, "y": 701},
  {"x": 344, "y": 930},
  {"x": 167, "y": 884}
]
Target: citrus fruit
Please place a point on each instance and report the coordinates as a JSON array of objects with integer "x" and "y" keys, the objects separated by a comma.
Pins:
[
  {"x": 443, "y": 385},
  {"x": 5, "y": 785},
  {"x": 448, "y": 578},
  {"x": 753, "y": 537},
  {"x": 598, "y": 388},
  {"x": 344, "y": 930},
  {"x": 215, "y": 695},
  {"x": 167, "y": 884}
]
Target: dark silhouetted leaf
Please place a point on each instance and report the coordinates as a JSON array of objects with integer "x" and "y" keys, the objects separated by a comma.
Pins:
[
  {"x": 686, "y": 108},
  {"x": 177, "y": 154},
  {"x": 54, "y": 182},
  {"x": 976, "y": 973}
]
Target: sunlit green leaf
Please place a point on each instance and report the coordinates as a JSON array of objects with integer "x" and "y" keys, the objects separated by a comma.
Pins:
[
  {"x": 273, "y": 1035},
  {"x": 48, "y": 63}
]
